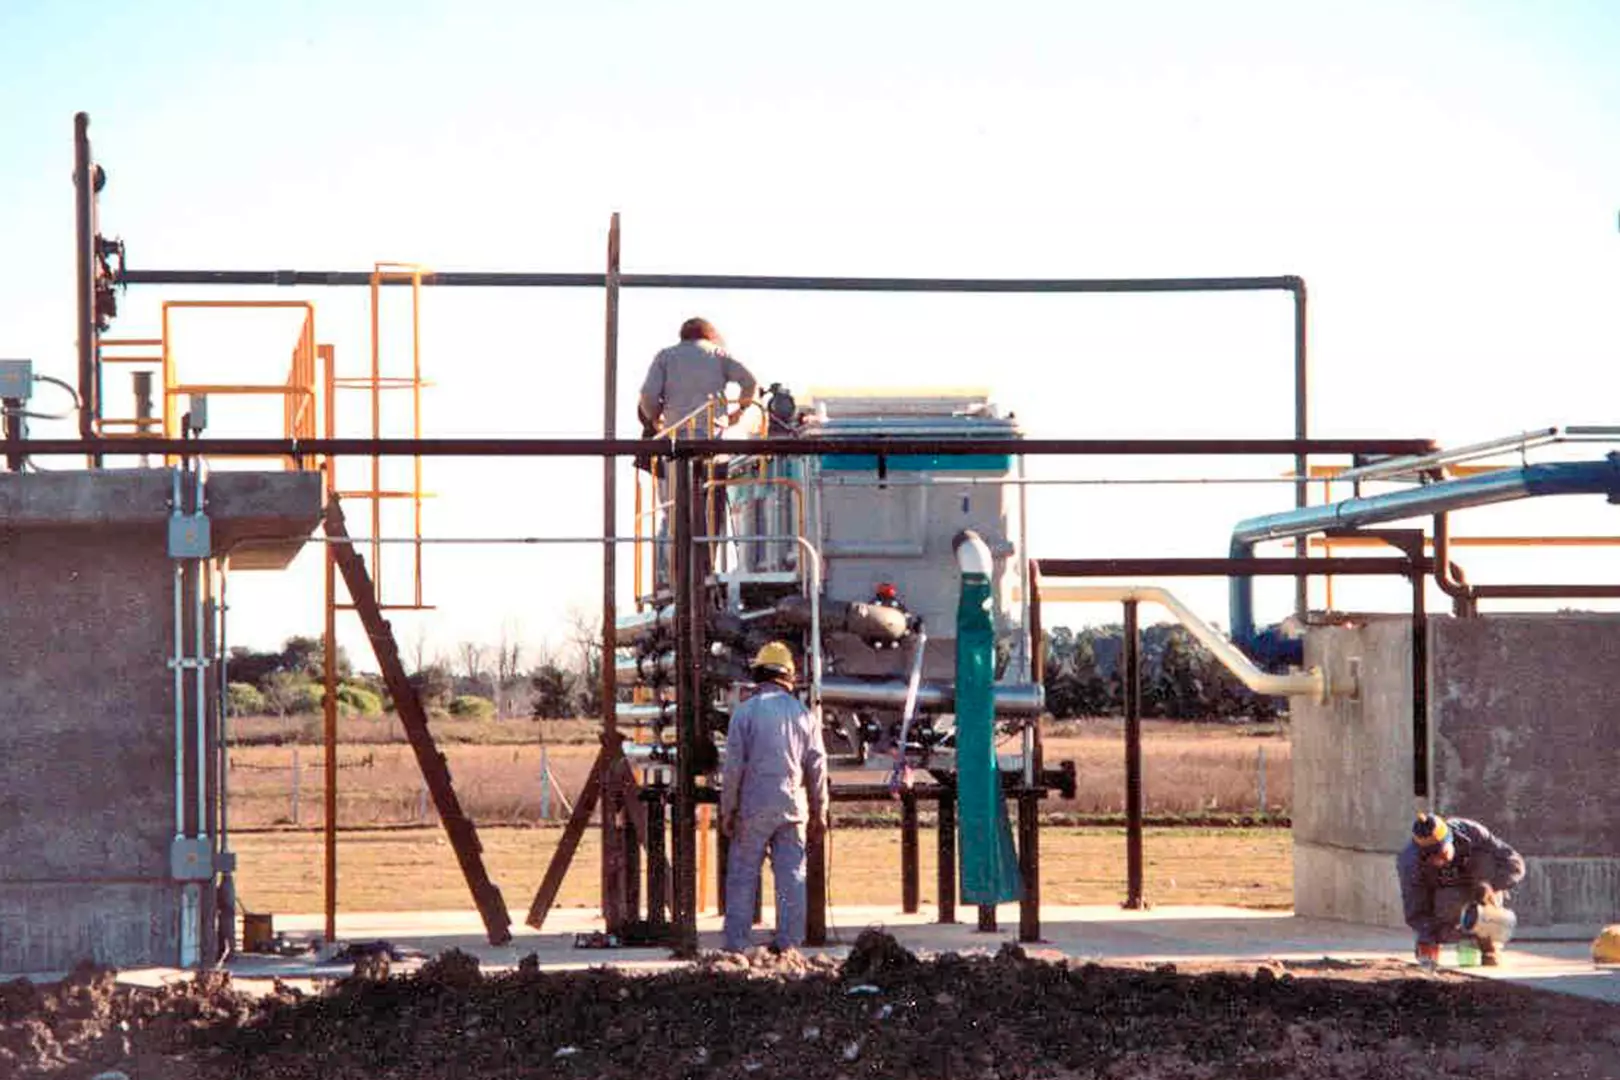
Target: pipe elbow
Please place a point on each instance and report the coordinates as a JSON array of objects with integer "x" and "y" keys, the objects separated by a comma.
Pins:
[{"x": 972, "y": 553}]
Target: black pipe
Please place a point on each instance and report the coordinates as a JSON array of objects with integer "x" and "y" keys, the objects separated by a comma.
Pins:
[
  {"x": 946, "y": 871},
  {"x": 987, "y": 918},
  {"x": 687, "y": 704},
  {"x": 84, "y": 232},
  {"x": 12, "y": 408},
  {"x": 815, "y": 887},
  {"x": 656, "y": 796},
  {"x": 524, "y": 279},
  {"x": 909, "y": 885},
  {"x": 632, "y": 842},
  {"x": 1029, "y": 864},
  {"x": 1301, "y": 431},
  {"x": 614, "y": 900},
  {"x": 1420, "y": 686},
  {"x": 1131, "y": 672},
  {"x": 630, "y": 448}
]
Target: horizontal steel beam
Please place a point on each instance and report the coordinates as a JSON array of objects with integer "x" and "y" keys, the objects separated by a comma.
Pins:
[
  {"x": 474, "y": 447},
  {"x": 1199, "y": 567},
  {"x": 755, "y": 282}
]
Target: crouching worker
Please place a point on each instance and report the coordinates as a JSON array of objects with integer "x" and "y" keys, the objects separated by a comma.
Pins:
[
  {"x": 774, "y": 799},
  {"x": 1450, "y": 864}
]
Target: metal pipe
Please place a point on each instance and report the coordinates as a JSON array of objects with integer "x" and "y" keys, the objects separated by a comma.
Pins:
[
  {"x": 946, "y": 869},
  {"x": 200, "y": 668},
  {"x": 84, "y": 229},
  {"x": 1555, "y": 478},
  {"x": 909, "y": 885},
  {"x": 750, "y": 282},
  {"x": 1029, "y": 864},
  {"x": 787, "y": 446},
  {"x": 1132, "y": 672},
  {"x": 222, "y": 763},
  {"x": 1312, "y": 683},
  {"x": 1410, "y": 465},
  {"x": 628, "y": 628},
  {"x": 688, "y": 711},
  {"x": 659, "y": 668},
  {"x": 1420, "y": 687},
  {"x": 175, "y": 664},
  {"x": 1011, "y": 699},
  {"x": 1301, "y": 430},
  {"x": 614, "y": 900}
]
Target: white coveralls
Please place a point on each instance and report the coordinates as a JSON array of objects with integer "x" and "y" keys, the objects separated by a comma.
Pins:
[{"x": 775, "y": 783}]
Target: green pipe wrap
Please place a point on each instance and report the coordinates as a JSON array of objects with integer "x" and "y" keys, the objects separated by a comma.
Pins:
[{"x": 989, "y": 860}]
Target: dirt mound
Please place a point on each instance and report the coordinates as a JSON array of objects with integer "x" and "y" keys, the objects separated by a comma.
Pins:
[{"x": 884, "y": 1012}]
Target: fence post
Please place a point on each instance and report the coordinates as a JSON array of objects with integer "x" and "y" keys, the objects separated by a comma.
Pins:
[
  {"x": 1261, "y": 767},
  {"x": 295, "y": 785},
  {"x": 545, "y": 783}
]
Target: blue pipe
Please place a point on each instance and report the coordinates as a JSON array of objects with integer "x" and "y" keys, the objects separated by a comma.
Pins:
[{"x": 1506, "y": 485}]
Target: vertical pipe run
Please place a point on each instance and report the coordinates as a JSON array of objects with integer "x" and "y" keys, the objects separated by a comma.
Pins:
[
  {"x": 656, "y": 795},
  {"x": 1029, "y": 864},
  {"x": 909, "y": 890},
  {"x": 1420, "y": 689},
  {"x": 947, "y": 855},
  {"x": 1133, "y": 759},
  {"x": 329, "y": 734},
  {"x": 1302, "y": 594},
  {"x": 815, "y": 919},
  {"x": 987, "y": 918},
  {"x": 612, "y": 898},
  {"x": 84, "y": 235},
  {"x": 688, "y": 702}
]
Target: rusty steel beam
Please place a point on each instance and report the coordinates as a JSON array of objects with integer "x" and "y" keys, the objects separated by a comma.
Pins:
[
  {"x": 557, "y": 869},
  {"x": 413, "y": 717}
]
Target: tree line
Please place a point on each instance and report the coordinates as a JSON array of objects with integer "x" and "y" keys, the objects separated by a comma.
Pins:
[{"x": 1181, "y": 680}]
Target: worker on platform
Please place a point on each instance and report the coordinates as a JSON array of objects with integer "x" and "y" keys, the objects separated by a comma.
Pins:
[
  {"x": 683, "y": 379},
  {"x": 1448, "y": 865},
  {"x": 773, "y": 801}
]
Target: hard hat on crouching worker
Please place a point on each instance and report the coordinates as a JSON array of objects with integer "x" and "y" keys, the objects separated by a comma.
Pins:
[
  {"x": 774, "y": 661},
  {"x": 1432, "y": 835}
]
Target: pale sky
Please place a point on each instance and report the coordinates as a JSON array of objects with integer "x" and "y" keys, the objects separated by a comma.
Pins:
[{"x": 1445, "y": 176}]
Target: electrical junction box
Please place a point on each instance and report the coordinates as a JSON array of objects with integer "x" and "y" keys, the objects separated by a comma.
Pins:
[
  {"x": 191, "y": 858},
  {"x": 189, "y": 536},
  {"x": 16, "y": 379}
]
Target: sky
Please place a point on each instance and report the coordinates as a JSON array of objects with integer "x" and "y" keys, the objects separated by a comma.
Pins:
[{"x": 1445, "y": 176}]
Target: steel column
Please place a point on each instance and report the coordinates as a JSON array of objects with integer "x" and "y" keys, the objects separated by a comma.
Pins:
[
  {"x": 688, "y": 703},
  {"x": 84, "y": 229},
  {"x": 1131, "y": 672},
  {"x": 614, "y": 856},
  {"x": 655, "y": 796},
  {"x": 1301, "y": 432},
  {"x": 947, "y": 855},
  {"x": 815, "y": 921},
  {"x": 909, "y": 890},
  {"x": 1029, "y": 864}
]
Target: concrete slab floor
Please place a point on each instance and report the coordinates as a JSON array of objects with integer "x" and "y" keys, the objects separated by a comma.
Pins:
[{"x": 1100, "y": 933}]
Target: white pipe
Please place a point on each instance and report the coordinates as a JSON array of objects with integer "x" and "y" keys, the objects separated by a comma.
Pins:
[
  {"x": 972, "y": 553},
  {"x": 1311, "y": 683},
  {"x": 179, "y": 705}
]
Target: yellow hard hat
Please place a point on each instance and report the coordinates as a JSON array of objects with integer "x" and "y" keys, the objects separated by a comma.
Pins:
[
  {"x": 775, "y": 658},
  {"x": 1606, "y": 949}
]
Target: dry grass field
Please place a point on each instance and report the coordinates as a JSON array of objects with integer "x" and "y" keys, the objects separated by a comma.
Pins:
[
  {"x": 1189, "y": 771},
  {"x": 414, "y": 869},
  {"x": 393, "y": 856}
]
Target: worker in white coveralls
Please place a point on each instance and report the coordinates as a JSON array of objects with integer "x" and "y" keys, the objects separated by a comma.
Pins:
[
  {"x": 1448, "y": 865},
  {"x": 773, "y": 800},
  {"x": 681, "y": 380}
]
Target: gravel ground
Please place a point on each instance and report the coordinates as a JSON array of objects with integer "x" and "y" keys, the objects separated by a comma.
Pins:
[{"x": 880, "y": 1013}]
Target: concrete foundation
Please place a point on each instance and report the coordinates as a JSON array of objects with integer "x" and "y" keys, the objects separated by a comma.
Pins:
[
  {"x": 1520, "y": 737},
  {"x": 88, "y": 749}
]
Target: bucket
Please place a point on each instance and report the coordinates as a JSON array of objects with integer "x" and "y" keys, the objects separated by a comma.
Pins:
[
  {"x": 1489, "y": 922},
  {"x": 258, "y": 931},
  {"x": 1467, "y": 954}
]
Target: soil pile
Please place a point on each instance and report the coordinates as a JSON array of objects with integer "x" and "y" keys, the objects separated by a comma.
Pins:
[{"x": 882, "y": 1013}]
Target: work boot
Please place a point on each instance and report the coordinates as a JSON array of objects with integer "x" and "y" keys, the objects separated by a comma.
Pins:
[{"x": 1488, "y": 952}]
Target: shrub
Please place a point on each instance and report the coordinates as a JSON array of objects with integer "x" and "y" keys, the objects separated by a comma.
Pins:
[
  {"x": 358, "y": 701},
  {"x": 244, "y": 699},
  {"x": 470, "y": 706}
]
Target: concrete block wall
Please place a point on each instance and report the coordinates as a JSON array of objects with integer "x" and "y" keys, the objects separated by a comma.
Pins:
[
  {"x": 1522, "y": 736},
  {"x": 87, "y": 731}
]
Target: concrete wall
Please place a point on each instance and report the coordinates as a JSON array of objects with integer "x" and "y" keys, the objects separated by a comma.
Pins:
[
  {"x": 1521, "y": 736},
  {"x": 87, "y": 740}
]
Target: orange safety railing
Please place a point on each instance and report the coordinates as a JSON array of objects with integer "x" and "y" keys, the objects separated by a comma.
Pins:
[
  {"x": 374, "y": 383},
  {"x": 651, "y": 501},
  {"x": 297, "y": 391}
]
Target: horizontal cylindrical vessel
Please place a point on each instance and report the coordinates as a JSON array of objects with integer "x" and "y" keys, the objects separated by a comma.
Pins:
[
  {"x": 628, "y": 628},
  {"x": 1011, "y": 699}
]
